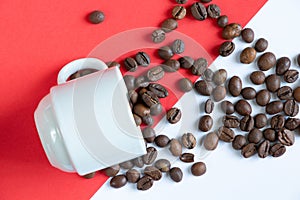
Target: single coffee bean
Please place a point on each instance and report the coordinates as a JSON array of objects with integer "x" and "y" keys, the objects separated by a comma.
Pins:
[
  {"x": 220, "y": 77},
  {"x": 205, "y": 1},
  {"x": 89, "y": 176},
  {"x": 231, "y": 121},
  {"x": 188, "y": 140},
  {"x": 81, "y": 73},
  {"x": 169, "y": 25},
  {"x": 127, "y": 164},
  {"x": 159, "y": 90},
  {"x": 171, "y": 65},
  {"x": 298, "y": 59},
  {"x": 292, "y": 123},
  {"x": 285, "y": 93},
  {"x": 235, "y": 86},
  {"x": 248, "y": 55},
  {"x": 274, "y": 107},
  {"x": 153, "y": 172},
  {"x": 204, "y": 88},
  {"x": 178, "y": 12},
  {"x": 273, "y": 82},
  {"x": 263, "y": 97},
  {"x": 291, "y": 76},
  {"x": 178, "y": 46},
  {"x": 286, "y": 137},
  {"x": 141, "y": 110},
  {"x": 132, "y": 175},
  {"x": 156, "y": 73},
  {"x": 185, "y": 84},
  {"x": 209, "y": 106},
  {"x": 211, "y": 141},
  {"x": 112, "y": 170},
  {"x": 213, "y": 11},
  {"x": 243, "y": 107},
  {"x": 270, "y": 134},
  {"x": 231, "y": 31},
  {"x": 173, "y": 115},
  {"x": 176, "y": 174},
  {"x": 226, "y": 134},
  {"x": 186, "y": 62},
  {"x": 181, "y": 1},
  {"x": 222, "y": 21},
  {"x": 165, "y": 52},
  {"x": 219, "y": 93},
  {"x": 277, "y": 122},
  {"x": 205, "y": 123},
  {"x": 96, "y": 17},
  {"x": 257, "y": 77},
  {"x": 118, "y": 181},
  {"x": 113, "y": 64},
  {"x": 138, "y": 162},
  {"x": 226, "y": 48},
  {"x": 149, "y": 98},
  {"x": 137, "y": 119},
  {"x": 247, "y": 123},
  {"x": 175, "y": 147},
  {"x": 150, "y": 156},
  {"x": 296, "y": 94},
  {"x": 144, "y": 183},
  {"x": 187, "y": 157},
  {"x": 158, "y": 36},
  {"x": 282, "y": 65},
  {"x": 156, "y": 109},
  {"x": 199, "y": 66},
  {"x": 198, "y": 168},
  {"x": 239, "y": 142},
  {"x": 129, "y": 82},
  {"x": 163, "y": 165},
  {"x": 142, "y": 58},
  {"x": 261, "y": 45},
  {"x": 247, "y": 35},
  {"x": 130, "y": 64},
  {"x": 277, "y": 150},
  {"x": 263, "y": 149},
  {"x": 260, "y": 120},
  {"x": 198, "y": 11},
  {"x": 149, "y": 134},
  {"x": 248, "y": 93},
  {"x": 133, "y": 96},
  {"x": 248, "y": 150},
  {"x": 227, "y": 107},
  {"x": 255, "y": 136},
  {"x": 266, "y": 61},
  {"x": 162, "y": 140},
  {"x": 148, "y": 120},
  {"x": 208, "y": 75}
]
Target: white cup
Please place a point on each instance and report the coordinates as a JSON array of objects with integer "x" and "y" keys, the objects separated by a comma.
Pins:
[{"x": 86, "y": 124}]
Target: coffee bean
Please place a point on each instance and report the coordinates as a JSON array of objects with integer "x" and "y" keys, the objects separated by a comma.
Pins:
[
  {"x": 149, "y": 98},
  {"x": 137, "y": 119},
  {"x": 89, "y": 176},
  {"x": 227, "y": 107},
  {"x": 205, "y": 123},
  {"x": 248, "y": 55},
  {"x": 199, "y": 66},
  {"x": 178, "y": 12},
  {"x": 213, "y": 11},
  {"x": 292, "y": 123},
  {"x": 153, "y": 172},
  {"x": 261, "y": 45},
  {"x": 185, "y": 84},
  {"x": 247, "y": 123},
  {"x": 298, "y": 59},
  {"x": 81, "y": 73},
  {"x": 175, "y": 147},
  {"x": 296, "y": 94},
  {"x": 263, "y": 97},
  {"x": 141, "y": 110},
  {"x": 226, "y": 134},
  {"x": 142, "y": 59},
  {"x": 208, "y": 75},
  {"x": 178, "y": 46},
  {"x": 248, "y": 35},
  {"x": 187, "y": 157},
  {"x": 239, "y": 142},
  {"x": 220, "y": 77},
  {"x": 248, "y": 150},
  {"x": 222, "y": 21},
  {"x": 132, "y": 175},
  {"x": 231, "y": 121},
  {"x": 149, "y": 134},
  {"x": 186, "y": 62},
  {"x": 286, "y": 137},
  {"x": 163, "y": 165},
  {"x": 205, "y": 1},
  {"x": 156, "y": 109},
  {"x": 198, "y": 168},
  {"x": 133, "y": 96},
  {"x": 165, "y": 52},
  {"x": 171, "y": 65},
  {"x": 203, "y": 87},
  {"x": 162, "y": 140},
  {"x": 173, "y": 115},
  {"x": 199, "y": 11},
  {"x": 248, "y": 93},
  {"x": 150, "y": 156},
  {"x": 235, "y": 86},
  {"x": 219, "y": 93},
  {"x": 266, "y": 61},
  {"x": 260, "y": 120},
  {"x": 277, "y": 122},
  {"x": 274, "y": 107},
  {"x": 96, "y": 17},
  {"x": 270, "y": 134},
  {"x": 188, "y": 140},
  {"x": 263, "y": 149},
  {"x": 282, "y": 65},
  {"x": 243, "y": 107},
  {"x": 176, "y": 174},
  {"x": 231, "y": 31},
  {"x": 277, "y": 150},
  {"x": 130, "y": 64},
  {"x": 148, "y": 120},
  {"x": 144, "y": 183},
  {"x": 129, "y": 82},
  {"x": 159, "y": 90},
  {"x": 138, "y": 162},
  {"x": 209, "y": 106},
  {"x": 156, "y": 73},
  {"x": 291, "y": 76},
  {"x": 257, "y": 77},
  {"x": 255, "y": 136},
  {"x": 118, "y": 181},
  {"x": 169, "y": 25},
  {"x": 285, "y": 93},
  {"x": 273, "y": 82},
  {"x": 127, "y": 164},
  {"x": 113, "y": 64},
  {"x": 211, "y": 141},
  {"x": 158, "y": 36},
  {"x": 112, "y": 171},
  {"x": 181, "y": 1},
  {"x": 226, "y": 48}
]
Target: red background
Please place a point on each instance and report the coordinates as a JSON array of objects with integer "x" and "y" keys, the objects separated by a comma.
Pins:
[{"x": 37, "y": 39}]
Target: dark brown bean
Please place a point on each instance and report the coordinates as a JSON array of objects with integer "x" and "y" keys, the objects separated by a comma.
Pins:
[
  {"x": 211, "y": 141},
  {"x": 274, "y": 107},
  {"x": 169, "y": 25},
  {"x": 248, "y": 150},
  {"x": 150, "y": 156},
  {"x": 286, "y": 137},
  {"x": 261, "y": 45},
  {"x": 239, "y": 142},
  {"x": 187, "y": 157},
  {"x": 219, "y": 93},
  {"x": 226, "y": 134},
  {"x": 226, "y": 48},
  {"x": 176, "y": 174},
  {"x": 235, "y": 86},
  {"x": 178, "y": 12},
  {"x": 255, "y": 136},
  {"x": 277, "y": 122},
  {"x": 257, "y": 77},
  {"x": 127, "y": 164},
  {"x": 285, "y": 93},
  {"x": 263, "y": 149},
  {"x": 159, "y": 90},
  {"x": 130, "y": 64},
  {"x": 112, "y": 171},
  {"x": 209, "y": 106},
  {"x": 263, "y": 97},
  {"x": 188, "y": 140},
  {"x": 231, "y": 31},
  {"x": 292, "y": 123},
  {"x": 144, "y": 183},
  {"x": 163, "y": 165},
  {"x": 248, "y": 93},
  {"x": 198, "y": 168},
  {"x": 138, "y": 162},
  {"x": 171, "y": 65},
  {"x": 291, "y": 76},
  {"x": 203, "y": 87},
  {"x": 173, "y": 115},
  {"x": 248, "y": 55},
  {"x": 243, "y": 107},
  {"x": 220, "y": 76},
  {"x": 89, "y": 175},
  {"x": 175, "y": 147},
  {"x": 227, "y": 107},
  {"x": 149, "y": 134},
  {"x": 247, "y": 123},
  {"x": 273, "y": 82},
  {"x": 260, "y": 120},
  {"x": 162, "y": 140},
  {"x": 231, "y": 121},
  {"x": 132, "y": 175},
  {"x": 247, "y": 35},
  {"x": 270, "y": 134},
  {"x": 266, "y": 61},
  {"x": 222, "y": 21},
  {"x": 205, "y": 123},
  {"x": 118, "y": 181},
  {"x": 277, "y": 150},
  {"x": 153, "y": 172},
  {"x": 156, "y": 73},
  {"x": 282, "y": 65}
]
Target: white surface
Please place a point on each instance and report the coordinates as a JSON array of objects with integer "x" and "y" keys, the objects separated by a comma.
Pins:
[{"x": 229, "y": 176}]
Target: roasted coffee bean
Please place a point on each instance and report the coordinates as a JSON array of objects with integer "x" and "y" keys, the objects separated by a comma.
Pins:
[
  {"x": 277, "y": 122},
  {"x": 138, "y": 162},
  {"x": 188, "y": 140},
  {"x": 239, "y": 142},
  {"x": 273, "y": 82},
  {"x": 211, "y": 141},
  {"x": 162, "y": 140},
  {"x": 248, "y": 55},
  {"x": 159, "y": 90},
  {"x": 274, "y": 107},
  {"x": 205, "y": 1},
  {"x": 148, "y": 120},
  {"x": 255, "y": 136},
  {"x": 263, "y": 149},
  {"x": 156, "y": 109},
  {"x": 187, "y": 157},
  {"x": 231, "y": 31},
  {"x": 266, "y": 61},
  {"x": 257, "y": 77},
  {"x": 247, "y": 123},
  {"x": 260, "y": 120},
  {"x": 285, "y": 93},
  {"x": 127, "y": 164},
  {"x": 263, "y": 97},
  {"x": 296, "y": 94},
  {"x": 186, "y": 62},
  {"x": 286, "y": 137},
  {"x": 153, "y": 172},
  {"x": 282, "y": 65},
  {"x": 141, "y": 110},
  {"x": 113, "y": 64},
  {"x": 181, "y": 1},
  {"x": 198, "y": 168},
  {"x": 213, "y": 11},
  {"x": 171, "y": 65},
  {"x": 185, "y": 84},
  {"x": 142, "y": 58},
  {"x": 261, "y": 45},
  {"x": 220, "y": 76},
  {"x": 270, "y": 134},
  {"x": 130, "y": 64},
  {"x": 203, "y": 87},
  {"x": 205, "y": 123},
  {"x": 81, "y": 73},
  {"x": 226, "y": 134},
  {"x": 150, "y": 156},
  {"x": 292, "y": 123},
  {"x": 175, "y": 147},
  {"x": 96, "y": 17},
  {"x": 165, "y": 52},
  {"x": 89, "y": 176},
  {"x": 137, "y": 119},
  {"x": 243, "y": 107},
  {"x": 173, "y": 115},
  {"x": 163, "y": 165},
  {"x": 142, "y": 91},
  {"x": 176, "y": 174},
  {"x": 208, "y": 75},
  {"x": 248, "y": 93},
  {"x": 112, "y": 170},
  {"x": 149, "y": 98},
  {"x": 235, "y": 86},
  {"x": 149, "y": 134},
  {"x": 169, "y": 25},
  {"x": 144, "y": 183},
  {"x": 298, "y": 59},
  {"x": 247, "y": 35},
  {"x": 231, "y": 121},
  {"x": 133, "y": 96},
  {"x": 199, "y": 11},
  {"x": 226, "y": 48},
  {"x": 199, "y": 66},
  {"x": 291, "y": 76},
  {"x": 178, "y": 12},
  {"x": 141, "y": 81},
  {"x": 158, "y": 36},
  {"x": 222, "y": 21},
  {"x": 156, "y": 73},
  {"x": 277, "y": 150},
  {"x": 129, "y": 82},
  {"x": 248, "y": 150},
  {"x": 118, "y": 181},
  {"x": 227, "y": 107},
  {"x": 219, "y": 93},
  {"x": 178, "y": 46},
  {"x": 209, "y": 106},
  {"x": 132, "y": 175}
]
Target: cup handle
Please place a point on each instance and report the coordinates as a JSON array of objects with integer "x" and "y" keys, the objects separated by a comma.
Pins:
[{"x": 76, "y": 65}]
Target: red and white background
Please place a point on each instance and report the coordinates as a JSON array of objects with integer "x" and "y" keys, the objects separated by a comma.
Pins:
[{"x": 39, "y": 37}]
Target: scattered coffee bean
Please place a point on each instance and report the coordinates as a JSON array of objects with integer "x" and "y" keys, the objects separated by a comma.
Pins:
[
  {"x": 220, "y": 77},
  {"x": 285, "y": 93},
  {"x": 132, "y": 175},
  {"x": 273, "y": 82},
  {"x": 199, "y": 66},
  {"x": 235, "y": 86},
  {"x": 156, "y": 73},
  {"x": 227, "y": 107},
  {"x": 185, "y": 84},
  {"x": 205, "y": 1},
  {"x": 96, "y": 17},
  {"x": 159, "y": 90},
  {"x": 261, "y": 45},
  {"x": 296, "y": 94},
  {"x": 82, "y": 72},
  {"x": 255, "y": 136},
  {"x": 141, "y": 110},
  {"x": 143, "y": 59},
  {"x": 149, "y": 134},
  {"x": 226, "y": 134},
  {"x": 213, "y": 11},
  {"x": 211, "y": 141},
  {"x": 133, "y": 95},
  {"x": 282, "y": 65},
  {"x": 248, "y": 93},
  {"x": 187, "y": 157},
  {"x": 266, "y": 61},
  {"x": 231, "y": 31},
  {"x": 165, "y": 52},
  {"x": 171, "y": 65},
  {"x": 260, "y": 120},
  {"x": 239, "y": 142},
  {"x": 263, "y": 149},
  {"x": 149, "y": 98},
  {"x": 263, "y": 97},
  {"x": 169, "y": 25},
  {"x": 153, "y": 172},
  {"x": 199, "y": 11},
  {"x": 130, "y": 64},
  {"x": 248, "y": 55},
  {"x": 112, "y": 171},
  {"x": 209, "y": 106},
  {"x": 222, "y": 21},
  {"x": 226, "y": 48},
  {"x": 138, "y": 162},
  {"x": 291, "y": 76},
  {"x": 163, "y": 165},
  {"x": 129, "y": 82},
  {"x": 247, "y": 123},
  {"x": 257, "y": 77},
  {"x": 292, "y": 123},
  {"x": 231, "y": 121},
  {"x": 277, "y": 122},
  {"x": 118, "y": 181},
  {"x": 178, "y": 12},
  {"x": 248, "y": 35},
  {"x": 150, "y": 156},
  {"x": 162, "y": 140},
  {"x": 137, "y": 119},
  {"x": 175, "y": 147},
  {"x": 203, "y": 87},
  {"x": 205, "y": 123},
  {"x": 186, "y": 62},
  {"x": 208, "y": 75},
  {"x": 89, "y": 176},
  {"x": 173, "y": 115},
  {"x": 274, "y": 107},
  {"x": 188, "y": 140},
  {"x": 176, "y": 174},
  {"x": 270, "y": 134},
  {"x": 248, "y": 150},
  {"x": 277, "y": 150},
  {"x": 156, "y": 109},
  {"x": 219, "y": 93},
  {"x": 178, "y": 46},
  {"x": 286, "y": 137},
  {"x": 158, "y": 36},
  {"x": 181, "y": 1},
  {"x": 144, "y": 183},
  {"x": 127, "y": 164},
  {"x": 198, "y": 168},
  {"x": 243, "y": 107},
  {"x": 113, "y": 64}
]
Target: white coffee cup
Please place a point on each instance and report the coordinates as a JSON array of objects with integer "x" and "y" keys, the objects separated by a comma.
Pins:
[{"x": 86, "y": 124}]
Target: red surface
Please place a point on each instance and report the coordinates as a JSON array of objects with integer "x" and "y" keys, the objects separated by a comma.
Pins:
[{"x": 37, "y": 39}]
